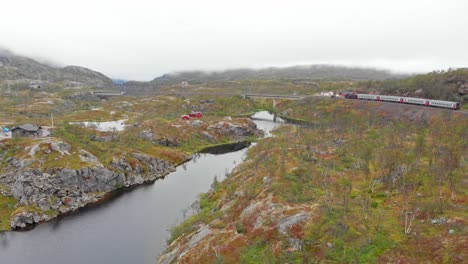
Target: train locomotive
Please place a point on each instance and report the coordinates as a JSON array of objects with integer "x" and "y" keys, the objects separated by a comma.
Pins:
[{"x": 404, "y": 100}]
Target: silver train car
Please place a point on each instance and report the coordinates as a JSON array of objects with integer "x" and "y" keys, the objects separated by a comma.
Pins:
[{"x": 404, "y": 100}]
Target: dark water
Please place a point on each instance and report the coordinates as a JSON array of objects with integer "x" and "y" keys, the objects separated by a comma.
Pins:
[{"x": 131, "y": 228}]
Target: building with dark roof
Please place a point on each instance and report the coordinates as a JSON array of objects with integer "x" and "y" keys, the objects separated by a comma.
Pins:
[{"x": 27, "y": 130}]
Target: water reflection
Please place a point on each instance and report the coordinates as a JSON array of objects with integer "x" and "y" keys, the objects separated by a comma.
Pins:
[
  {"x": 4, "y": 240},
  {"x": 267, "y": 116}
]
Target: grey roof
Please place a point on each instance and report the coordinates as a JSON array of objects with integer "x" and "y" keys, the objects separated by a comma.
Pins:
[{"x": 28, "y": 127}]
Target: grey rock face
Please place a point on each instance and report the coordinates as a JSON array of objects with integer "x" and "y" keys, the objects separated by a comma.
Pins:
[
  {"x": 167, "y": 142},
  {"x": 208, "y": 136},
  {"x": 61, "y": 147},
  {"x": 147, "y": 135},
  {"x": 196, "y": 123},
  {"x": 68, "y": 178},
  {"x": 439, "y": 220},
  {"x": 66, "y": 189},
  {"x": 158, "y": 167},
  {"x": 85, "y": 156},
  {"x": 236, "y": 131},
  {"x": 105, "y": 138},
  {"x": 150, "y": 136},
  {"x": 199, "y": 235},
  {"x": 19, "y": 163},
  {"x": 22, "y": 219},
  {"x": 20, "y": 68},
  {"x": 285, "y": 223},
  {"x": 98, "y": 179},
  {"x": 296, "y": 244}
]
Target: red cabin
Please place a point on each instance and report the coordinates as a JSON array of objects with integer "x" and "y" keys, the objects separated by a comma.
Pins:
[{"x": 196, "y": 114}]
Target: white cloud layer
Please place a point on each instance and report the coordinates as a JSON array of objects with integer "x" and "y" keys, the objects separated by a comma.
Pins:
[{"x": 143, "y": 39}]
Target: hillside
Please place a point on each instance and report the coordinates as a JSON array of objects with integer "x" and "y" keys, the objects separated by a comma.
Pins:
[
  {"x": 303, "y": 74},
  {"x": 356, "y": 186},
  {"x": 445, "y": 85},
  {"x": 85, "y": 163},
  {"x": 20, "y": 70},
  {"x": 295, "y": 72}
]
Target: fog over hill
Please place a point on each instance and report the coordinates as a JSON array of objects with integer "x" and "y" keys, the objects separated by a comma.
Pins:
[
  {"x": 20, "y": 69},
  {"x": 304, "y": 72},
  {"x": 333, "y": 72}
]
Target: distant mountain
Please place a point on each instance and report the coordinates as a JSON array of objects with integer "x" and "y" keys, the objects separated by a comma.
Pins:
[
  {"x": 297, "y": 73},
  {"x": 22, "y": 69},
  {"x": 314, "y": 72},
  {"x": 119, "y": 81}
]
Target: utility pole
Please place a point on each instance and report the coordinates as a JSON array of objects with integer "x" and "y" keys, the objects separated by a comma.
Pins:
[{"x": 52, "y": 119}]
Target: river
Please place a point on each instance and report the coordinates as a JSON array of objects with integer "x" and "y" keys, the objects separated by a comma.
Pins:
[{"x": 129, "y": 228}]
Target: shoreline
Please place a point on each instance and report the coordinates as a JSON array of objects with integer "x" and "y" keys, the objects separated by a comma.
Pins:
[{"x": 103, "y": 198}]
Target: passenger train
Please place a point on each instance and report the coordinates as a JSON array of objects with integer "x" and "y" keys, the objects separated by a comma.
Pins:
[{"x": 404, "y": 100}]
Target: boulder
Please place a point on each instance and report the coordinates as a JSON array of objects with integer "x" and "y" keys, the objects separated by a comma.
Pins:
[
  {"x": 167, "y": 142},
  {"x": 234, "y": 130},
  {"x": 61, "y": 147},
  {"x": 208, "y": 136},
  {"x": 199, "y": 235},
  {"x": 289, "y": 221},
  {"x": 104, "y": 138},
  {"x": 85, "y": 156},
  {"x": 196, "y": 123},
  {"x": 147, "y": 135}
]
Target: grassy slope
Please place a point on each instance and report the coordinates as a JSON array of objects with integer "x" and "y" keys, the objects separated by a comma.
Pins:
[
  {"x": 443, "y": 85},
  {"x": 370, "y": 188},
  {"x": 7, "y": 206}
]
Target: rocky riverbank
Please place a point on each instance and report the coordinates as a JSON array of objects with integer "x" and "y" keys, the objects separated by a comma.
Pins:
[
  {"x": 44, "y": 193},
  {"x": 50, "y": 177}
]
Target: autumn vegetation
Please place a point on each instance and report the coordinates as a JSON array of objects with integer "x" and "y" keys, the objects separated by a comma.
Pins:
[
  {"x": 367, "y": 182},
  {"x": 451, "y": 84},
  {"x": 170, "y": 138},
  {"x": 371, "y": 188}
]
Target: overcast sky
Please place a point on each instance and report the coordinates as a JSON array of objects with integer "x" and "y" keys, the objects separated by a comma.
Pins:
[{"x": 140, "y": 40}]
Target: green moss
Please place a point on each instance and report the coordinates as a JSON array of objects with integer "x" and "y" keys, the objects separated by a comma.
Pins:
[
  {"x": 185, "y": 227},
  {"x": 51, "y": 213},
  {"x": 296, "y": 187},
  {"x": 259, "y": 252},
  {"x": 370, "y": 252},
  {"x": 240, "y": 228},
  {"x": 7, "y": 207}
]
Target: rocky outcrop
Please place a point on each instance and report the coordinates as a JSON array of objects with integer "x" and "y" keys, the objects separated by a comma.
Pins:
[
  {"x": 54, "y": 191},
  {"x": 236, "y": 130},
  {"x": 289, "y": 221},
  {"x": 244, "y": 222},
  {"x": 104, "y": 138},
  {"x": 45, "y": 191},
  {"x": 463, "y": 89},
  {"x": 163, "y": 141},
  {"x": 214, "y": 132}
]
